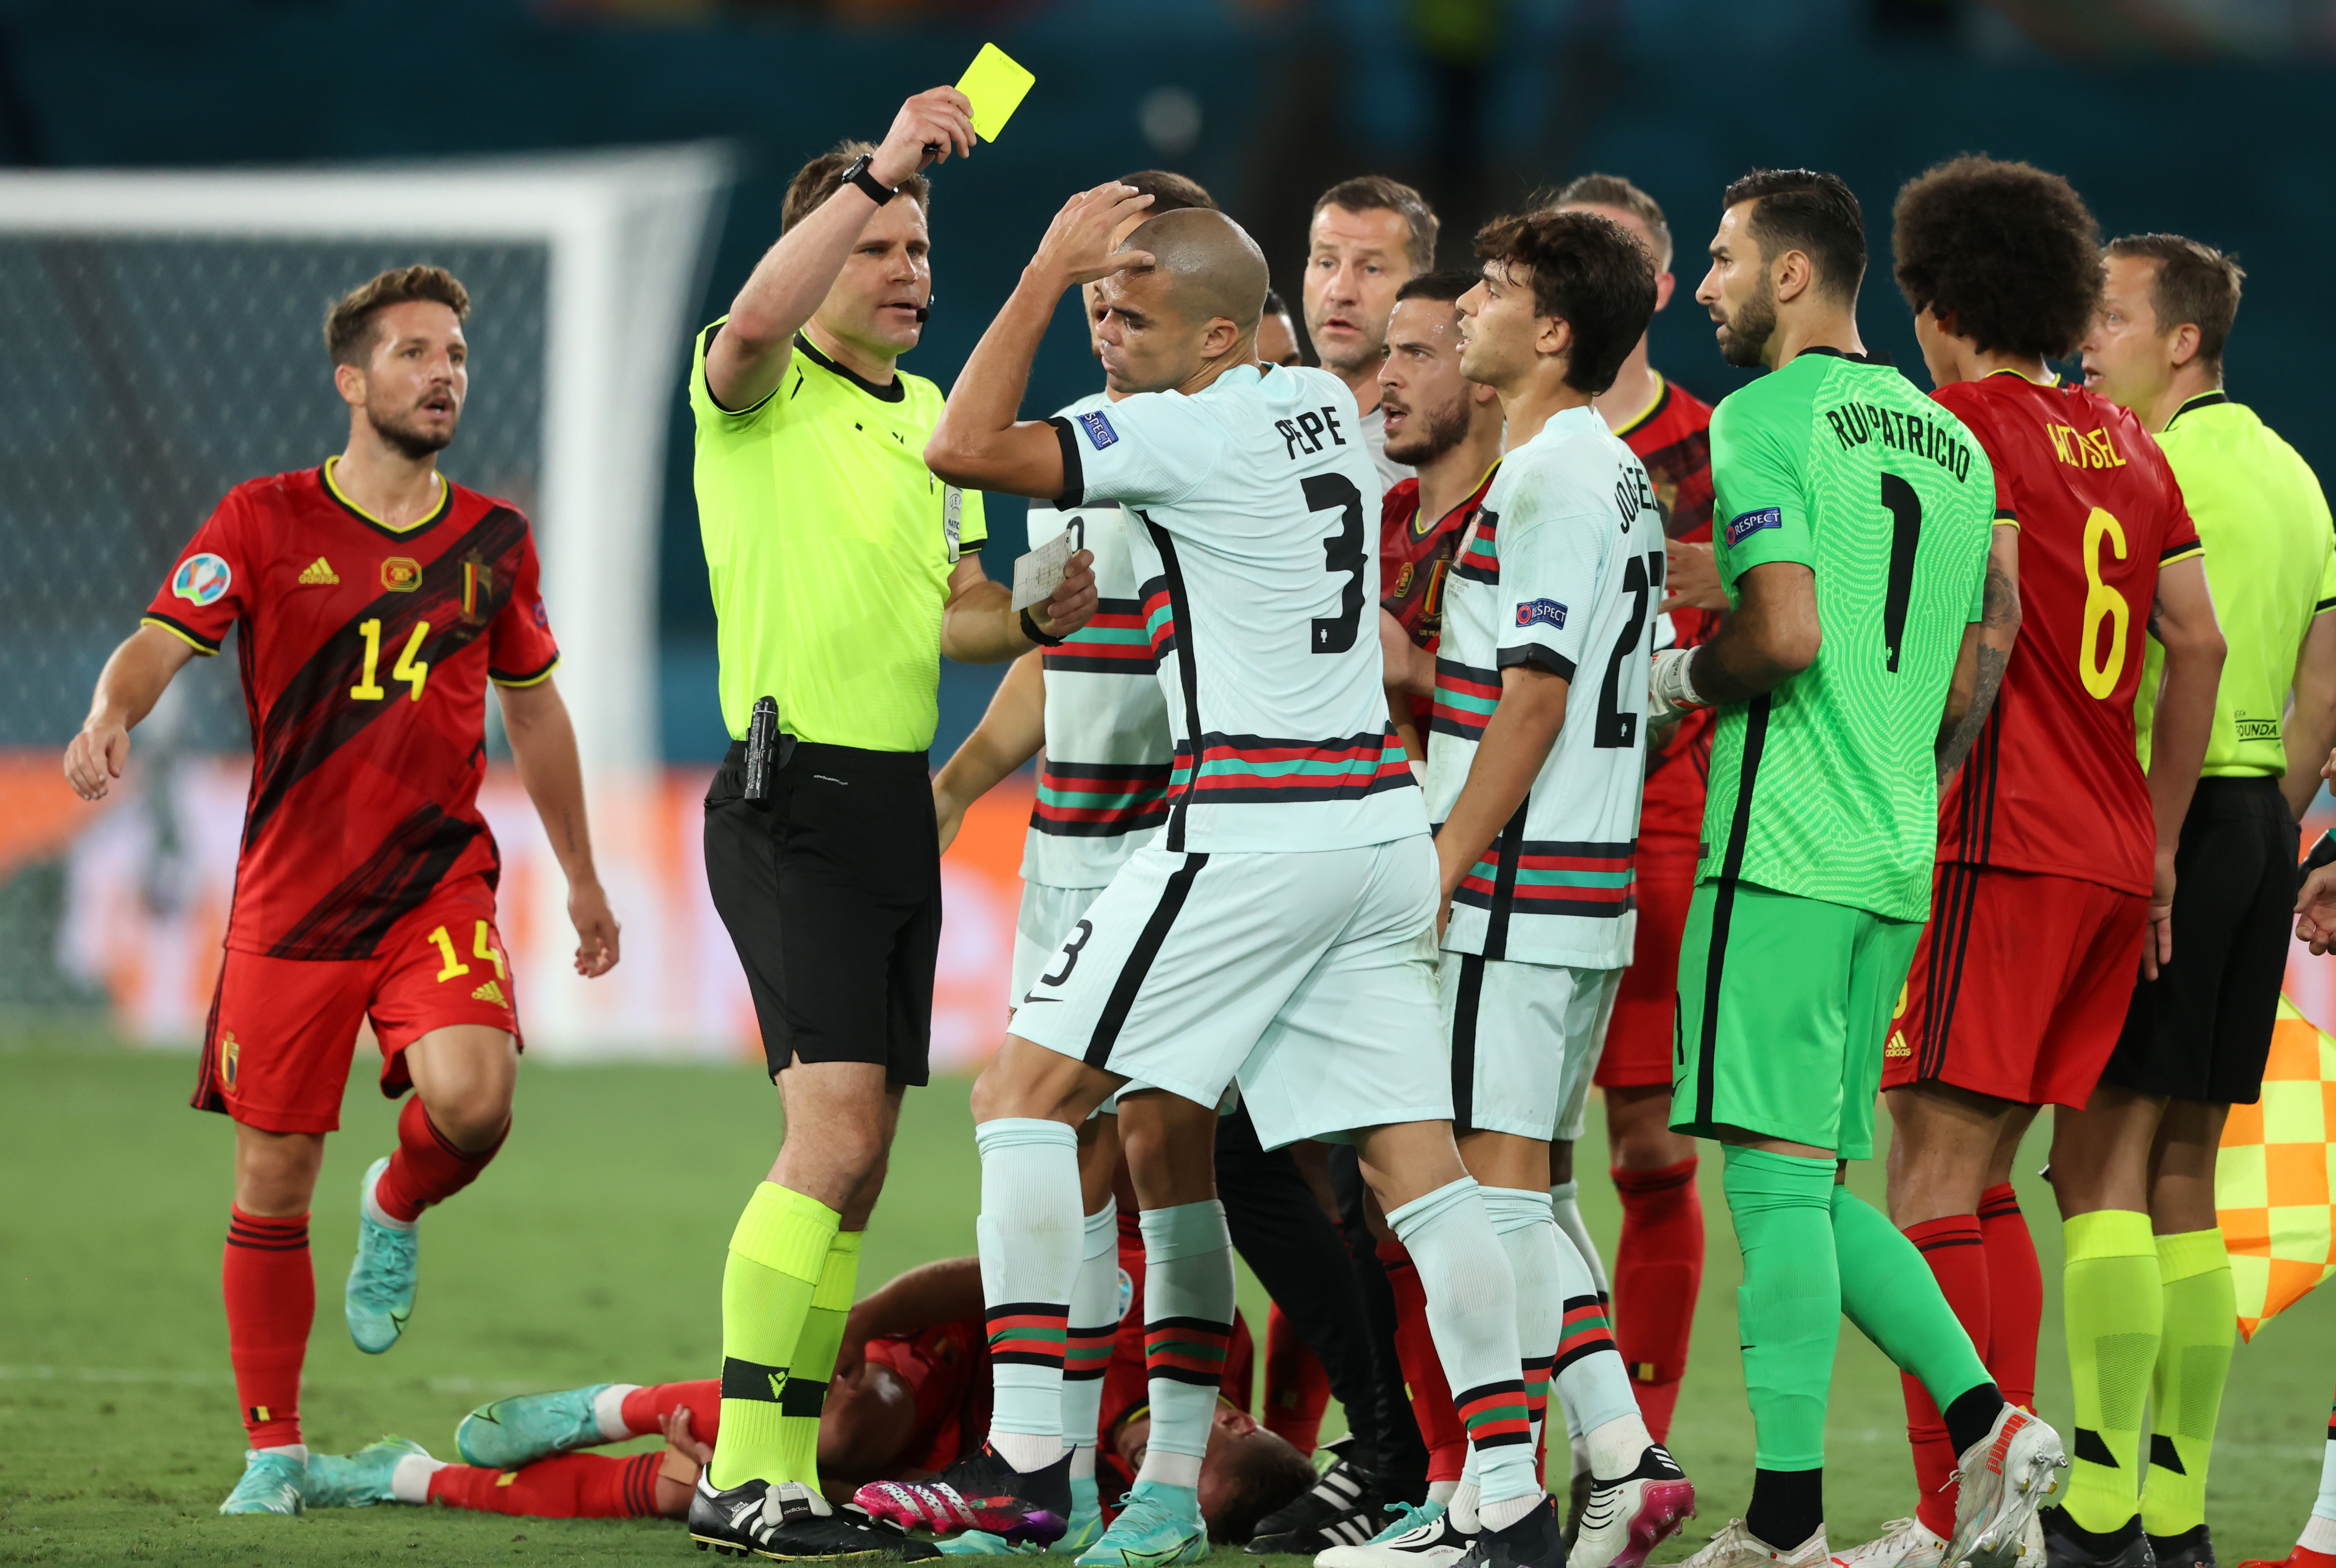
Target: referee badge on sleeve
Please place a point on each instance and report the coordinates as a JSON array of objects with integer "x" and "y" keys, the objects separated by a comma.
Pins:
[{"x": 952, "y": 518}]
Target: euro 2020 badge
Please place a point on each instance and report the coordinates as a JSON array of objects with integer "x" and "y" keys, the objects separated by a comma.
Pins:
[{"x": 201, "y": 579}]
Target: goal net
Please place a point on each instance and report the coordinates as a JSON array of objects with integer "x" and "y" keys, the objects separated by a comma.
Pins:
[{"x": 165, "y": 345}]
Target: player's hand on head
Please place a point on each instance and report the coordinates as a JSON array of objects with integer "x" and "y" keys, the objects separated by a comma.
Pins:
[
  {"x": 95, "y": 757},
  {"x": 1072, "y": 605},
  {"x": 928, "y": 129},
  {"x": 1691, "y": 577},
  {"x": 595, "y": 930},
  {"x": 1077, "y": 248},
  {"x": 2315, "y": 910}
]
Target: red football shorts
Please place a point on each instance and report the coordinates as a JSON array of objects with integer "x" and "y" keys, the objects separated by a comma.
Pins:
[
  {"x": 1639, "y": 1038},
  {"x": 2019, "y": 985},
  {"x": 282, "y": 1031}
]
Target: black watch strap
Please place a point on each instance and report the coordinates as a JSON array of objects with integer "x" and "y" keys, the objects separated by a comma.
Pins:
[
  {"x": 1030, "y": 629},
  {"x": 856, "y": 173}
]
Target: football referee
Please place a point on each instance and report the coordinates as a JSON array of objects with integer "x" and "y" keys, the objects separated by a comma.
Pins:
[{"x": 841, "y": 570}]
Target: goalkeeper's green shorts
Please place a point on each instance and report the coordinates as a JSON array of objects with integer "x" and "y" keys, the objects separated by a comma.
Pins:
[{"x": 1784, "y": 1005}]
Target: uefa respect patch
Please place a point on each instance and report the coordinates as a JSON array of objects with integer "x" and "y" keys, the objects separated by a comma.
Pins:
[
  {"x": 1743, "y": 528},
  {"x": 201, "y": 579},
  {"x": 1542, "y": 612},
  {"x": 1100, "y": 434}
]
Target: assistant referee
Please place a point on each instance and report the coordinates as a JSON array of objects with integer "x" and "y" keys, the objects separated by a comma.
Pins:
[{"x": 841, "y": 570}]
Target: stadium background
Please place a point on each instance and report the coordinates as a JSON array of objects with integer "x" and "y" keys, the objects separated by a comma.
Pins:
[{"x": 2205, "y": 116}]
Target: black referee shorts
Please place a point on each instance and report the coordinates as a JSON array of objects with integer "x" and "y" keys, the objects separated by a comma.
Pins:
[
  {"x": 832, "y": 892},
  {"x": 2202, "y": 1029}
]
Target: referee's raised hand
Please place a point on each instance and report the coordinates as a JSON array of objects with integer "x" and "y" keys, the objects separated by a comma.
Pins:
[{"x": 928, "y": 129}]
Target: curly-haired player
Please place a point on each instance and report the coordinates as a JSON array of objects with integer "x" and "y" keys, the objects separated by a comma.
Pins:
[{"x": 2055, "y": 851}]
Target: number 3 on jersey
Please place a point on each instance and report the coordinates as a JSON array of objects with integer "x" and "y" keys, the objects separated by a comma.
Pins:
[
  {"x": 1342, "y": 552},
  {"x": 408, "y": 669}
]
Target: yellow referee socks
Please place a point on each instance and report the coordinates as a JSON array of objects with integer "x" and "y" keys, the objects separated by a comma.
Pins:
[
  {"x": 2186, "y": 1395},
  {"x": 2113, "y": 1310},
  {"x": 822, "y": 1335},
  {"x": 778, "y": 1255}
]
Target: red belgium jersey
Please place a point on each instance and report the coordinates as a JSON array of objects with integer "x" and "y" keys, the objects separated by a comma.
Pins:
[
  {"x": 1414, "y": 556},
  {"x": 946, "y": 1369},
  {"x": 1673, "y": 440},
  {"x": 365, "y": 652},
  {"x": 2052, "y": 784}
]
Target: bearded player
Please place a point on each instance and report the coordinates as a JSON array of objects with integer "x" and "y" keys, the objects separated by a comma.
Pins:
[
  {"x": 2051, "y": 837},
  {"x": 1658, "y": 1258},
  {"x": 374, "y": 600}
]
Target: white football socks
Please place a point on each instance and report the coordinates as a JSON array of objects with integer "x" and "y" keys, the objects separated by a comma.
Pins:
[
  {"x": 1187, "y": 1309},
  {"x": 1030, "y": 1230},
  {"x": 1564, "y": 1202},
  {"x": 608, "y": 1412},
  {"x": 1094, "y": 1318},
  {"x": 409, "y": 1482}
]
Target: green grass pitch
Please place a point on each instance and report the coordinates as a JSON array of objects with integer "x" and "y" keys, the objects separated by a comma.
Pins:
[{"x": 593, "y": 1249}]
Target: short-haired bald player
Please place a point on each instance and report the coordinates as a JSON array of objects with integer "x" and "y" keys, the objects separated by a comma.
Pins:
[{"x": 1291, "y": 902}]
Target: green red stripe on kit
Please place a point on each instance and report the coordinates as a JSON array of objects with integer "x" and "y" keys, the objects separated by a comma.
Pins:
[
  {"x": 1086, "y": 1352},
  {"x": 1099, "y": 800},
  {"x": 1236, "y": 768},
  {"x": 1587, "y": 1330},
  {"x": 1465, "y": 698},
  {"x": 1186, "y": 1350},
  {"x": 1481, "y": 562},
  {"x": 1538, "y": 1372},
  {"x": 1495, "y": 1414},
  {"x": 1028, "y": 1333},
  {"x": 1117, "y": 642},
  {"x": 1555, "y": 877},
  {"x": 1159, "y": 619}
]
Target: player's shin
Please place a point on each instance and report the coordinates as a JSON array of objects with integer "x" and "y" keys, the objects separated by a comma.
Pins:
[
  {"x": 1890, "y": 1294},
  {"x": 1031, "y": 1234},
  {"x": 2015, "y": 1288},
  {"x": 427, "y": 1167},
  {"x": 1188, "y": 1307},
  {"x": 1658, "y": 1275},
  {"x": 2115, "y": 1310},
  {"x": 1434, "y": 1410},
  {"x": 1086, "y": 1349},
  {"x": 1471, "y": 1311},
  {"x": 1951, "y": 1246},
  {"x": 270, "y": 1289},
  {"x": 815, "y": 1352},
  {"x": 1788, "y": 1315},
  {"x": 777, "y": 1254},
  {"x": 2193, "y": 1362}
]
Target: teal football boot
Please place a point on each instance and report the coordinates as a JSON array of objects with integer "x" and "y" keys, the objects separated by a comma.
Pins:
[
  {"x": 271, "y": 1484},
  {"x": 1159, "y": 1526},
  {"x": 380, "y": 1296},
  {"x": 358, "y": 1480},
  {"x": 520, "y": 1430}
]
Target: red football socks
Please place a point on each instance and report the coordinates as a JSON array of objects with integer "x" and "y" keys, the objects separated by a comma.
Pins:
[
  {"x": 645, "y": 1408},
  {"x": 1297, "y": 1388},
  {"x": 571, "y": 1486},
  {"x": 271, "y": 1300},
  {"x": 426, "y": 1169},
  {"x": 1658, "y": 1272},
  {"x": 1958, "y": 1261},
  {"x": 2015, "y": 1294},
  {"x": 1432, "y": 1404}
]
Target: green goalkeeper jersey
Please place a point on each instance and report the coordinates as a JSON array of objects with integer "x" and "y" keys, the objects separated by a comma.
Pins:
[{"x": 1826, "y": 788}]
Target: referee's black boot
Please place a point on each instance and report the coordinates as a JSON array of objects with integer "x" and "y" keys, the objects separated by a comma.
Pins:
[
  {"x": 2194, "y": 1548},
  {"x": 2069, "y": 1545},
  {"x": 1343, "y": 1508},
  {"x": 788, "y": 1521}
]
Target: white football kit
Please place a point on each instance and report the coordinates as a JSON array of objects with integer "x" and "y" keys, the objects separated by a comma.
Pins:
[
  {"x": 1280, "y": 931},
  {"x": 1561, "y": 572},
  {"x": 1103, "y": 779}
]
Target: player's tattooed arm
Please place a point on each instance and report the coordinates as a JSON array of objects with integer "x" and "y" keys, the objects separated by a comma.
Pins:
[
  {"x": 1772, "y": 635},
  {"x": 1986, "y": 653}
]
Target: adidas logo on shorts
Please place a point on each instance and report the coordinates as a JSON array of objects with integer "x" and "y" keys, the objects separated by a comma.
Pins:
[{"x": 490, "y": 992}]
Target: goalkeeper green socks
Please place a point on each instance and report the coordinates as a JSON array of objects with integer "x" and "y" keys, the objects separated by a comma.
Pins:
[
  {"x": 1789, "y": 1309},
  {"x": 1890, "y": 1294},
  {"x": 778, "y": 1259},
  {"x": 2113, "y": 1309},
  {"x": 822, "y": 1336},
  {"x": 2193, "y": 1361}
]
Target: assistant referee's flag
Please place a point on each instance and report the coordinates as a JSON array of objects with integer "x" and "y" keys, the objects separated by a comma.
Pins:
[{"x": 2272, "y": 1187}]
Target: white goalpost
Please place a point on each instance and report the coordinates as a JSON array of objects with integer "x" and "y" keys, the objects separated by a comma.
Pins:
[{"x": 162, "y": 317}]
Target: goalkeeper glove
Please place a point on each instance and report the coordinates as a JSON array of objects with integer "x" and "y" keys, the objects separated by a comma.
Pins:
[{"x": 1669, "y": 691}]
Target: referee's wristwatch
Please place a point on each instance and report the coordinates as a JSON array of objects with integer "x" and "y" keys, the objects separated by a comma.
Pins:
[
  {"x": 1030, "y": 629},
  {"x": 856, "y": 173}
]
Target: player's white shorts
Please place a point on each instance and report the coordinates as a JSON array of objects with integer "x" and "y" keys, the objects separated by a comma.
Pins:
[
  {"x": 1046, "y": 915},
  {"x": 1525, "y": 1041},
  {"x": 1309, "y": 977}
]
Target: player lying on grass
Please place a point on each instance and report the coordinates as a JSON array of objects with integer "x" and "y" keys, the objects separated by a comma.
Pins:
[
  {"x": 911, "y": 1398},
  {"x": 1857, "y": 517},
  {"x": 1291, "y": 903}
]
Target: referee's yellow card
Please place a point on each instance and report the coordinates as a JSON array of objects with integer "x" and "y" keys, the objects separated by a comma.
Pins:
[{"x": 997, "y": 85}]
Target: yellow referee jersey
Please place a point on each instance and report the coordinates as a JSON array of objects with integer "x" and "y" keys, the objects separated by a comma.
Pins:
[
  {"x": 2271, "y": 564},
  {"x": 828, "y": 547}
]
